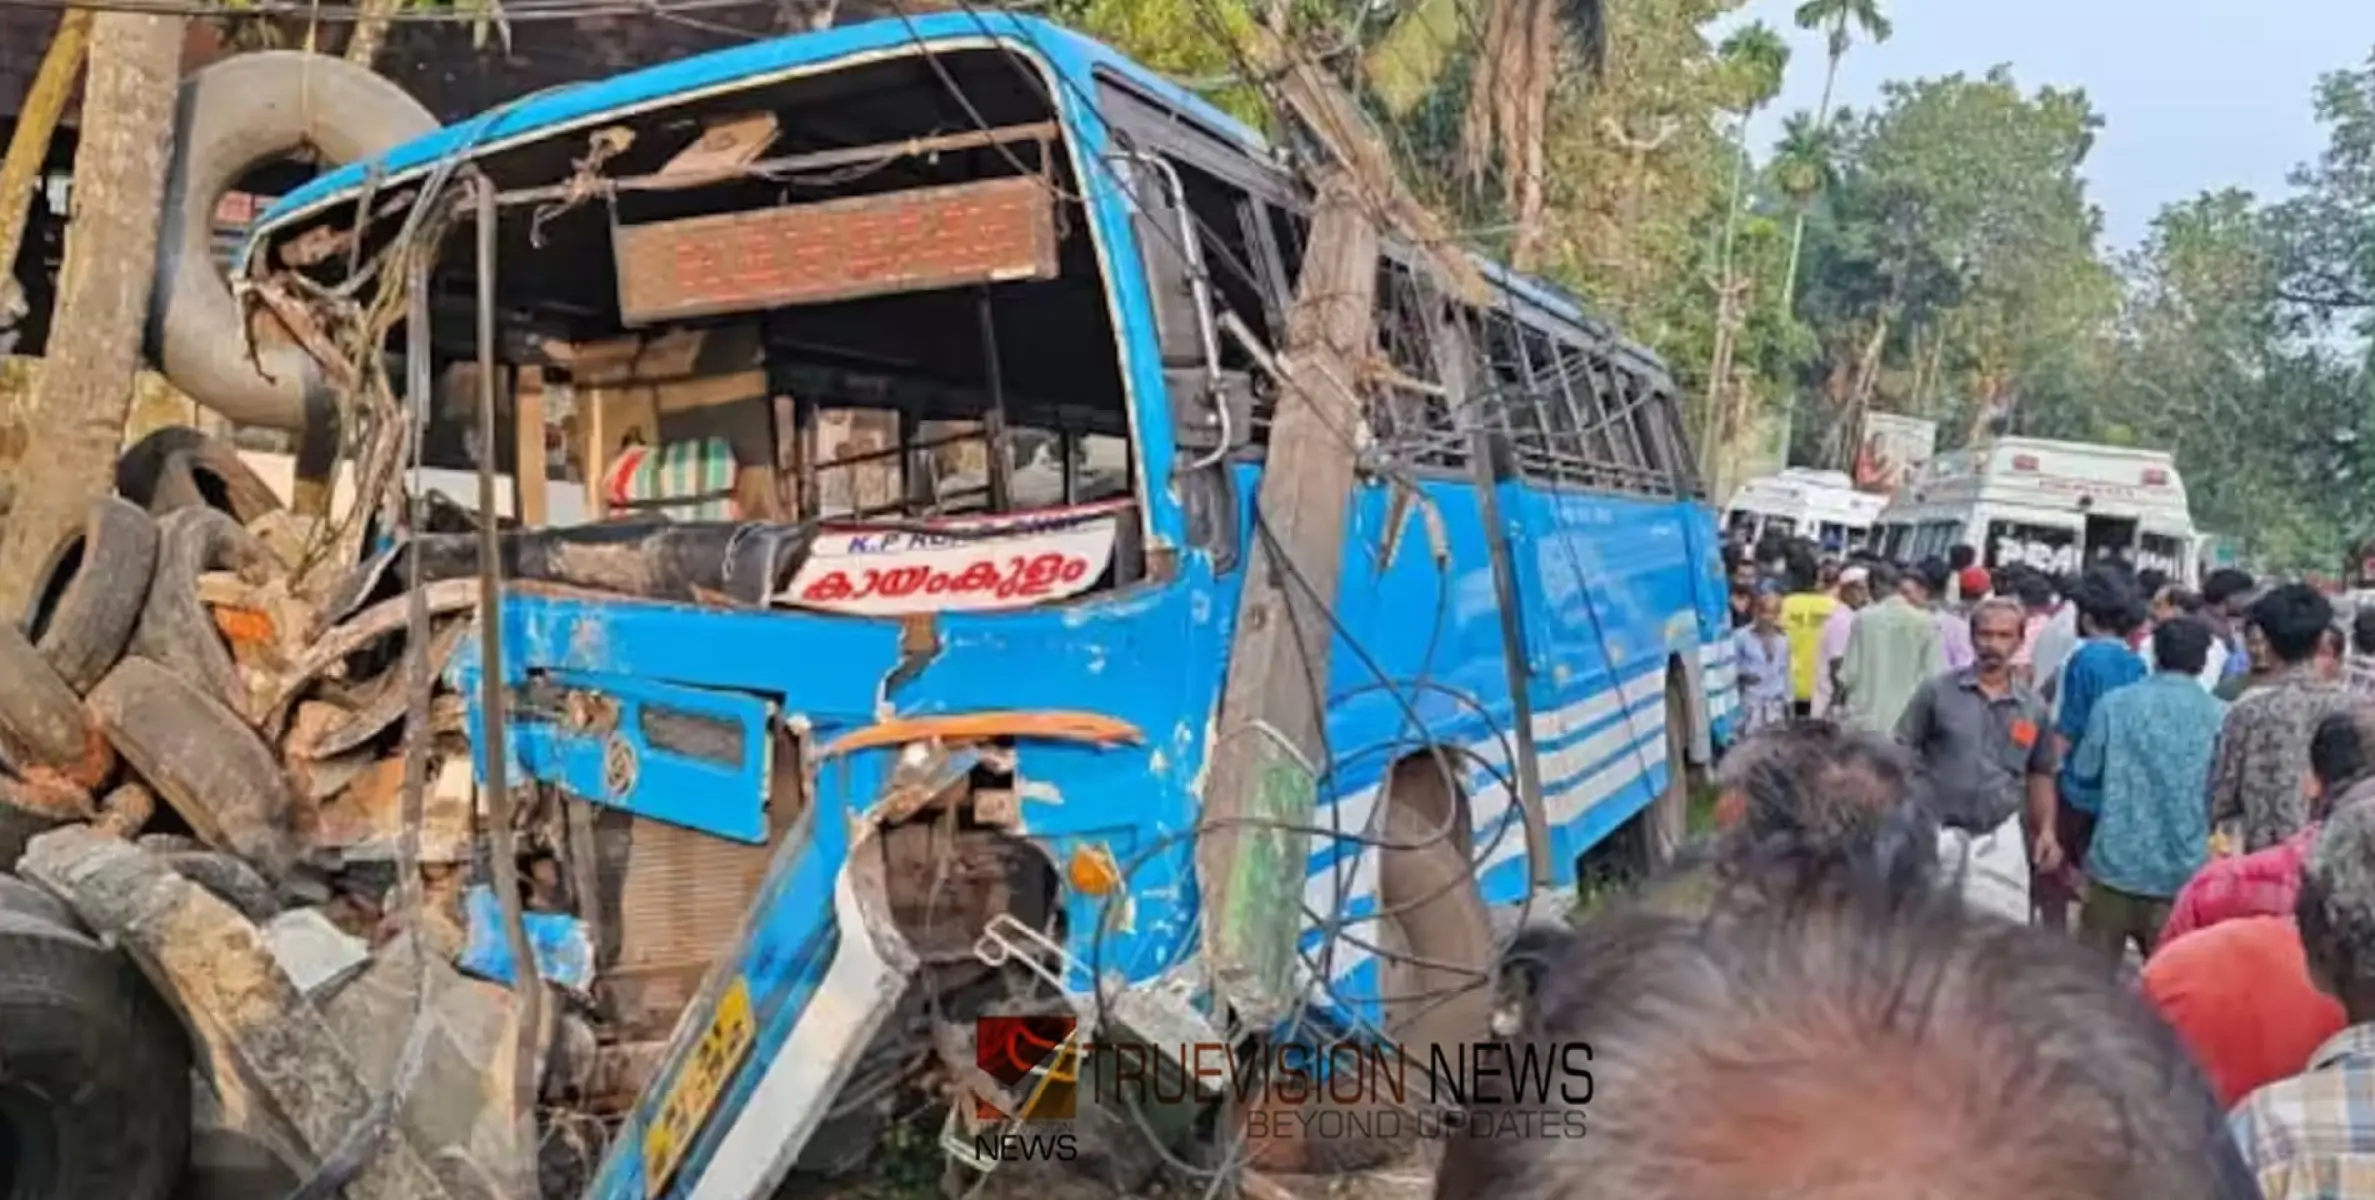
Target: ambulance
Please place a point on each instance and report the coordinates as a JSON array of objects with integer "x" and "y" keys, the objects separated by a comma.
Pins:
[
  {"x": 2056, "y": 506},
  {"x": 1821, "y": 506}
]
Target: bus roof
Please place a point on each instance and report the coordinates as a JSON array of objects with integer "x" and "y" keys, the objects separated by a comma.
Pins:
[
  {"x": 544, "y": 113},
  {"x": 1070, "y": 54},
  {"x": 1808, "y": 494},
  {"x": 2040, "y": 473}
]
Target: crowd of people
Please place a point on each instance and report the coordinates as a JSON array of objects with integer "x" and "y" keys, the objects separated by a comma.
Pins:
[{"x": 2022, "y": 885}]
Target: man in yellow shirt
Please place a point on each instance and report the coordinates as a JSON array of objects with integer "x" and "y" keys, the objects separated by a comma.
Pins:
[{"x": 1803, "y": 614}]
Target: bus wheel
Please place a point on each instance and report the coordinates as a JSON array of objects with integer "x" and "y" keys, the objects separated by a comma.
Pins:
[
  {"x": 1666, "y": 822},
  {"x": 1439, "y": 992},
  {"x": 1435, "y": 974}
]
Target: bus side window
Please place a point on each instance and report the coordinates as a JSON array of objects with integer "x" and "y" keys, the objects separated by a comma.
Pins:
[
  {"x": 1510, "y": 406},
  {"x": 1562, "y": 432}
]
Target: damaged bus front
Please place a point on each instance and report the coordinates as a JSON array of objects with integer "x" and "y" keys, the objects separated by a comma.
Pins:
[{"x": 880, "y": 410}]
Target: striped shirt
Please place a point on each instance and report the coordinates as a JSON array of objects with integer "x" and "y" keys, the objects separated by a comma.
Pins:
[{"x": 2312, "y": 1137}]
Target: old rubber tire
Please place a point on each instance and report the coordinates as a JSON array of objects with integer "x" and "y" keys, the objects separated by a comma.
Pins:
[
  {"x": 212, "y": 476},
  {"x": 175, "y": 630},
  {"x": 91, "y": 592},
  {"x": 95, "y": 1101},
  {"x": 202, "y": 759},
  {"x": 136, "y": 473},
  {"x": 42, "y": 725},
  {"x": 234, "y": 115}
]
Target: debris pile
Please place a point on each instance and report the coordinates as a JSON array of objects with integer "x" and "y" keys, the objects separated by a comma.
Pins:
[{"x": 204, "y": 755}]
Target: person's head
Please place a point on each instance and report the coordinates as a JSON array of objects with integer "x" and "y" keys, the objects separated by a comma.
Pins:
[
  {"x": 2338, "y": 753},
  {"x": 1930, "y": 576},
  {"x": 2173, "y": 601},
  {"x": 1961, "y": 558},
  {"x": 2035, "y": 591},
  {"x": 2151, "y": 580},
  {"x": 2362, "y": 629},
  {"x": 2332, "y": 647},
  {"x": 2181, "y": 646},
  {"x": 1826, "y": 574},
  {"x": 1768, "y": 609},
  {"x": 1996, "y": 627},
  {"x": 2107, "y": 603},
  {"x": 1812, "y": 784},
  {"x": 2293, "y": 619},
  {"x": 2226, "y": 591},
  {"x": 1975, "y": 582},
  {"x": 2336, "y": 910},
  {"x": 1886, "y": 580},
  {"x": 1855, "y": 587},
  {"x": 1801, "y": 567},
  {"x": 1744, "y": 575},
  {"x": 1855, "y": 1041},
  {"x": 2255, "y": 649}
]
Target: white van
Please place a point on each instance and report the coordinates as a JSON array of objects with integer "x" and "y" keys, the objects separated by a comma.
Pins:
[
  {"x": 2057, "y": 506},
  {"x": 1822, "y": 506}
]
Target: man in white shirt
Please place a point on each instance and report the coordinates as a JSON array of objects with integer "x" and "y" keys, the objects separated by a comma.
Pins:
[{"x": 2055, "y": 644}]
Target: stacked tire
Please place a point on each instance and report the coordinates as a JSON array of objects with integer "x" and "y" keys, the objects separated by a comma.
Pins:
[{"x": 114, "y": 665}]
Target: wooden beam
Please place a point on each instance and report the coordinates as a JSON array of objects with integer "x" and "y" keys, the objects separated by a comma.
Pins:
[{"x": 528, "y": 467}]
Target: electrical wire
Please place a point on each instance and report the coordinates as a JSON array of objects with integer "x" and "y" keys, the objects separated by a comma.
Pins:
[
  {"x": 1332, "y": 923},
  {"x": 1415, "y": 724}
]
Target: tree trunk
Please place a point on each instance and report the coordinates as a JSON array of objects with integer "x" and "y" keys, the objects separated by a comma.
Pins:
[
  {"x": 1718, "y": 376},
  {"x": 79, "y": 404},
  {"x": 28, "y": 146},
  {"x": 371, "y": 31},
  {"x": 1529, "y": 164},
  {"x": 1797, "y": 234},
  {"x": 1847, "y": 432}
]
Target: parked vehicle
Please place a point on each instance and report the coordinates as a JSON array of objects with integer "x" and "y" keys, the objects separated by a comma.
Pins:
[
  {"x": 914, "y": 381},
  {"x": 2057, "y": 506},
  {"x": 1803, "y": 502}
]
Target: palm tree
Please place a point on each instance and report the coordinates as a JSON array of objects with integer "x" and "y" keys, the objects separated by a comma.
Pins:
[
  {"x": 1521, "y": 46},
  {"x": 1840, "y": 19},
  {"x": 1806, "y": 160},
  {"x": 1754, "y": 59}
]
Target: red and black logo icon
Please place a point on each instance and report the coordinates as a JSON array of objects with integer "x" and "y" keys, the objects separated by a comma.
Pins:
[{"x": 1011, "y": 1050}]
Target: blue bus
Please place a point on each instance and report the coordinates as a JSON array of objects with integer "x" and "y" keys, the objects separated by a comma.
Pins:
[{"x": 887, "y": 408}]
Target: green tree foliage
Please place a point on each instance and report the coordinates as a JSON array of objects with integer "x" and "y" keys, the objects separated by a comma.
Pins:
[
  {"x": 1935, "y": 254},
  {"x": 2328, "y": 229},
  {"x": 1952, "y": 267}
]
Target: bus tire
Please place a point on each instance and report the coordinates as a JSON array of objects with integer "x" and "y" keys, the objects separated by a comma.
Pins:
[
  {"x": 1435, "y": 969},
  {"x": 91, "y": 592},
  {"x": 1426, "y": 882},
  {"x": 1665, "y": 823},
  {"x": 234, "y": 115},
  {"x": 96, "y": 1100}
]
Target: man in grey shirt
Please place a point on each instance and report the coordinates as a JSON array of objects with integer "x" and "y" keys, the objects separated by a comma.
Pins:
[{"x": 1989, "y": 759}]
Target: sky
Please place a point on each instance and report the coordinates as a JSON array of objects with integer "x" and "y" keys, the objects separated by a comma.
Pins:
[{"x": 2195, "y": 94}]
